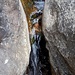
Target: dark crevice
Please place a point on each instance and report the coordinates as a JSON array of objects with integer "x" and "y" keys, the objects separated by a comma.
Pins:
[
  {"x": 44, "y": 57},
  {"x": 44, "y": 63}
]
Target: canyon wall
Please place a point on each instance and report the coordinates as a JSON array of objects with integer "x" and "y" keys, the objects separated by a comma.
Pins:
[
  {"x": 59, "y": 31},
  {"x": 14, "y": 38}
]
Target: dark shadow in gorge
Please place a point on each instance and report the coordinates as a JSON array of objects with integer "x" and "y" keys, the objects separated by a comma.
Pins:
[
  {"x": 44, "y": 58},
  {"x": 44, "y": 63}
]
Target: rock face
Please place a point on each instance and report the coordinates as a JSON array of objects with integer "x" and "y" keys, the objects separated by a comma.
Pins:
[
  {"x": 59, "y": 31},
  {"x": 14, "y": 38}
]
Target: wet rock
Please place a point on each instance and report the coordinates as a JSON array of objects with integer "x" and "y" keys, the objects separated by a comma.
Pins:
[
  {"x": 59, "y": 31},
  {"x": 14, "y": 38}
]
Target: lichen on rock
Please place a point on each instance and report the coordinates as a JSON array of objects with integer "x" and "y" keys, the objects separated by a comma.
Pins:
[
  {"x": 14, "y": 38},
  {"x": 59, "y": 31}
]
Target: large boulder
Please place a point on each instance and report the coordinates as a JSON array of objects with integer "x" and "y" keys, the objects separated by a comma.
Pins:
[
  {"x": 14, "y": 38},
  {"x": 59, "y": 31}
]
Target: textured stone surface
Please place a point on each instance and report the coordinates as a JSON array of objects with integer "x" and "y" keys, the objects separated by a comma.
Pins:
[
  {"x": 14, "y": 38},
  {"x": 59, "y": 31}
]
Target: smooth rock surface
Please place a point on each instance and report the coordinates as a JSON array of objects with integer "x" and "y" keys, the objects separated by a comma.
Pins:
[
  {"x": 14, "y": 38},
  {"x": 59, "y": 31}
]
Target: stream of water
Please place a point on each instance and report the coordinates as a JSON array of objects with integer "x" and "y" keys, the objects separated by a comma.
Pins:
[
  {"x": 34, "y": 57},
  {"x": 39, "y": 57}
]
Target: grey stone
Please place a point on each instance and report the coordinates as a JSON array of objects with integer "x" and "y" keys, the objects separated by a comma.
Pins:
[
  {"x": 14, "y": 38},
  {"x": 59, "y": 31}
]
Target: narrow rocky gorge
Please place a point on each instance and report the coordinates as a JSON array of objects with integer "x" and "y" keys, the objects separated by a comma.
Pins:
[{"x": 57, "y": 54}]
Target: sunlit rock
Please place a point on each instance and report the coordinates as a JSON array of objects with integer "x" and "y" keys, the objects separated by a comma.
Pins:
[
  {"x": 14, "y": 38},
  {"x": 59, "y": 31}
]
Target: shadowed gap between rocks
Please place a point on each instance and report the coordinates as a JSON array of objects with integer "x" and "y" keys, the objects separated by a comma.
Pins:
[{"x": 43, "y": 62}]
